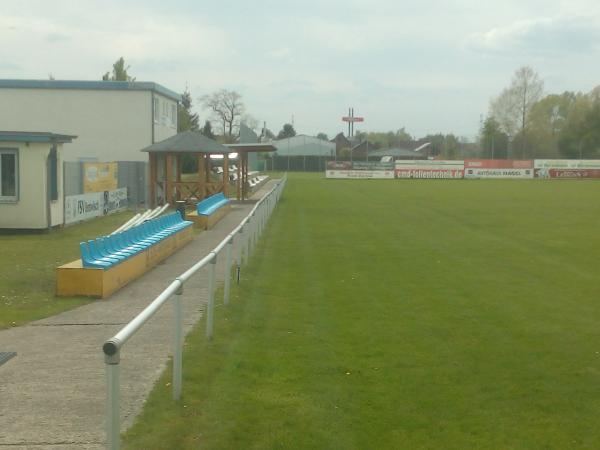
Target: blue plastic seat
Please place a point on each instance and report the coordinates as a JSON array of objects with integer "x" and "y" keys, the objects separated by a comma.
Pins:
[
  {"x": 97, "y": 254},
  {"x": 209, "y": 205},
  {"x": 88, "y": 261},
  {"x": 114, "y": 243},
  {"x": 105, "y": 244},
  {"x": 106, "y": 251},
  {"x": 124, "y": 243}
]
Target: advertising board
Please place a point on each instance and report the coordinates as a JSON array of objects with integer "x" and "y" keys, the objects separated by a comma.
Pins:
[
  {"x": 99, "y": 177},
  {"x": 429, "y": 169},
  {"x": 567, "y": 168},
  {"x": 362, "y": 165},
  {"x": 339, "y": 165},
  {"x": 567, "y": 173},
  {"x": 94, "y": 204},
  {"x": 498, "y": 168},
  {"x": 375, "y": 174}
]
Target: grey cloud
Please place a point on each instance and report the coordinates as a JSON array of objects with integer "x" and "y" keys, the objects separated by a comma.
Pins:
[
  {"x": 4, "y": 65},
  {"x": 540, "y": 37},
  {"x": 57, "y": 37}
]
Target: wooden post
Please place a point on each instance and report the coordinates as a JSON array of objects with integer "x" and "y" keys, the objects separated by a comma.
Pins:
[
  {"x": 207, "y": 167},
  {"x": 152, "y": 190},
  {"x": 244, "y": 175},
  {"x": 226, "y": 175},
  {"x": 201, "y": 176},
  {"x": 168, "y": 178},
  {"x": 178, "y": 166},
  {"x": 239, "y": 176}
]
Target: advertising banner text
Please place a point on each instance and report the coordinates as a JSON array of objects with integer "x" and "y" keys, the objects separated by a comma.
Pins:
[{"x": 429, "y": 169}]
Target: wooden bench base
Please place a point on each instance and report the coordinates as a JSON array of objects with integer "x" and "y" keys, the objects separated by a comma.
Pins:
[
  {"x": 74, "y": 279},
  {"x": 207, "y": 222}
]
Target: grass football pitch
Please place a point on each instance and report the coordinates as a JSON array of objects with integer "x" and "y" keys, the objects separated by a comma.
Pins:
[
  {"x": 401, "y": 314},
  {"x": 28, "y": 263}
]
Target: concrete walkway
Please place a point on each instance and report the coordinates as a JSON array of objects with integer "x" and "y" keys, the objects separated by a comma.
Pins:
[{"x": 53, "y": 394}]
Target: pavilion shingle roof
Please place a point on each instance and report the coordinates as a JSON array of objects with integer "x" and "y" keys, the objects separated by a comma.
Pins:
[{"x": 187, "y": 142}]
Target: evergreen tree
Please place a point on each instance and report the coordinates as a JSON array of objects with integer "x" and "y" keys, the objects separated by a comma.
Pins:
[
  {"x": 186, "y": 119},
  {"x": 119, "y": 72},
  {"x": 287, "y": 131},
  {"x": 207, "y": 130}
]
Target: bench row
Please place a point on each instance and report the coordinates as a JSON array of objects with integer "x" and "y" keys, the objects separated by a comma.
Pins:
[
  {"x": 210, "y": 204},
  {"x": 257, "y": 180},
  {"x": 105, "y": 252}
]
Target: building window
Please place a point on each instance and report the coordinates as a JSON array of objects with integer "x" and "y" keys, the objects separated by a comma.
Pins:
[
  {"x": 174, "y": 115},
  {"x": 9, "y": 175},
  {"x": 156, "y": 111}
]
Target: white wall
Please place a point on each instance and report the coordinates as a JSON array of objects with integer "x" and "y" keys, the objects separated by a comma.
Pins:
[
  {"x": 30, "y": 210},
  {"x": 110, "y": 125}
]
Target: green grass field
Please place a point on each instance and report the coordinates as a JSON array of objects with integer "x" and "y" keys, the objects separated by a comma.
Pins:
[
  {"x": 402, "y": 314},
  {"x": 28, "y": 263}
]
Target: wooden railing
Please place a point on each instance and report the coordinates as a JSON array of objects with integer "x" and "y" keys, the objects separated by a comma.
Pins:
[{"x": 184, "y": 190}]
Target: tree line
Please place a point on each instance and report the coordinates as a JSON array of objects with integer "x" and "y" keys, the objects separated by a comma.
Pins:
[{"x": 523, "y": 123}]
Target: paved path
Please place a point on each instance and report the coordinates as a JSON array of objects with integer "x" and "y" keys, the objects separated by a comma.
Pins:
[{"x": 53, "y": 394}]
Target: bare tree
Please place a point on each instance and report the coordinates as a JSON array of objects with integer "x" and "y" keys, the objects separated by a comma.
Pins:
[
  {"x": 512, "y": 107},
  {"x": 227, "y": 108}
]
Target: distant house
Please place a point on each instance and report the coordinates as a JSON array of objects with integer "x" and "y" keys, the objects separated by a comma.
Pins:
[
  {"x": 113, "y": 119},
  {"x": 341, "y": 142},
  {"x": 31, "y": 179},
  {"x": 360, "y": 149},
  {"x": 302, "y": 145}
]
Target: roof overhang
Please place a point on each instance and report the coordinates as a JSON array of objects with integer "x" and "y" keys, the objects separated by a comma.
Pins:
[
  {"x": 35, "y": 136},
  {"x": 91, "y": 85},
  {"x": 252, "y": 148},
  {"x": 188, "y": 142}
]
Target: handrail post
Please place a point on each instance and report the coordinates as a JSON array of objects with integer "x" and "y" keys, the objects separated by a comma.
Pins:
[
  {"x": 177, "y": 344},
  {"x": 258, "y": 228},
  {"x": 248, "y": 237},
  {"x": 228, "y": 257},
  {"x": 254, "y": 228},
  {"x": 113, "y": 428},
  {"x": 211, "y": 298},
  {"x": 239, "y": 256}
]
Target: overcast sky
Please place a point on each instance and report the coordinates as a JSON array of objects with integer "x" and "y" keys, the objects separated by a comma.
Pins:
[{"x": 429, "y": 66}]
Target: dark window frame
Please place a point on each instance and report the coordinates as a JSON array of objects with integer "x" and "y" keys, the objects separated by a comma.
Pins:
[
  {"x": 11, "y": 198},
  {"x": 53, "y": 173}
]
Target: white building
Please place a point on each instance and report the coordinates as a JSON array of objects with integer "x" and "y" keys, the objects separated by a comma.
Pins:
[
  {"x": 112, "y": 119},
  {"x": 31, "y": 179},
  {"x": 303, "y": 145}
]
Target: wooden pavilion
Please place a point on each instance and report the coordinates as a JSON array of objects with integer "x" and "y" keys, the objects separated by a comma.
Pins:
[
  {"x": 166, "y": 159},
  {"x": 242, "y": 168}
]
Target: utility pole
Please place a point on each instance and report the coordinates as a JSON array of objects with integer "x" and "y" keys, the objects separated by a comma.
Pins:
[{"x": 349, "y": 121}]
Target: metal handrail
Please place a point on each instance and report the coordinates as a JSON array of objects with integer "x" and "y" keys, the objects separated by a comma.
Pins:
[
  {"x": 249, "y": 231},
  {"x": 112, "y": 346}
]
